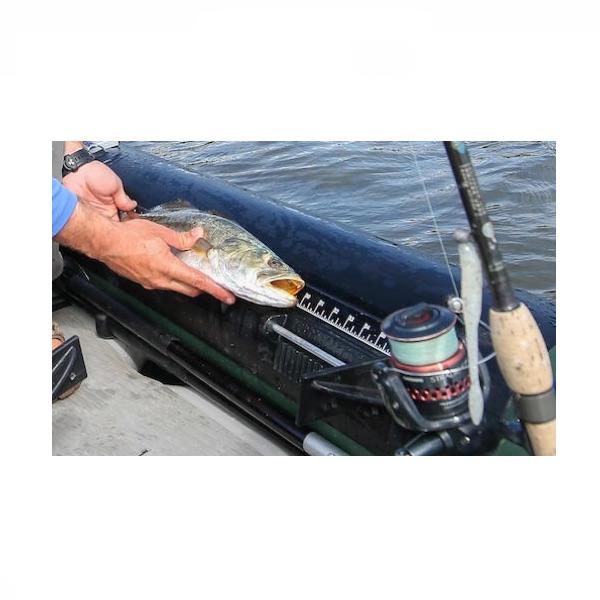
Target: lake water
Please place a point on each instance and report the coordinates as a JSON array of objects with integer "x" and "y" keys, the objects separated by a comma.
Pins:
[{"x": 376, "y": 187}]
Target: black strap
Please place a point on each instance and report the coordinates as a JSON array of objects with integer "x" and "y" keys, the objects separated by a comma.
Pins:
[{"x": 77, "y": 159}]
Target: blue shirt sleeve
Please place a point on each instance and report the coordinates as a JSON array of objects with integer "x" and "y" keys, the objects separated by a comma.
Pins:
[{"x": 63, "y": 205}]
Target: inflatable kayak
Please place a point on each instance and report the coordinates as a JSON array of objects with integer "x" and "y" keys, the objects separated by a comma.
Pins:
[{"x": 330, "y": 375}]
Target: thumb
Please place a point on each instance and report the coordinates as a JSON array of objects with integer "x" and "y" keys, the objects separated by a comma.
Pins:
[
  {"x": 182, "y": 240},
  {"x": 123, "y": 201}
]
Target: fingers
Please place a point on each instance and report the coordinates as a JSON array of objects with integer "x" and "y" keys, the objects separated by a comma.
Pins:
[
  {"x": 182, "y": 240},
  {"x": 167, "y": 271},
  {"x": 183, "y": 274},
  {"x": 182, "y": 288},
  {"x": 123, "y": 201}
]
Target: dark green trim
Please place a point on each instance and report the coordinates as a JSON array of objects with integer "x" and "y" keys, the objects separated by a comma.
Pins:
[
  {"x": 250, "y": 380},
  {"x": 507, "y": 448}
]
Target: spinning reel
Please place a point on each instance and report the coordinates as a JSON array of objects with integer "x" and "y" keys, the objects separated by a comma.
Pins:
[
  {"x": 424, "y": 385},
  {"x": 433, "y": 383}
]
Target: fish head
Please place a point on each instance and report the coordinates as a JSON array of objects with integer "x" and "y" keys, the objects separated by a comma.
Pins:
[{"x": 255, "y": 273}]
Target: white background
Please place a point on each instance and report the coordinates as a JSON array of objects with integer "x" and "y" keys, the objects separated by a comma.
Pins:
[{"x": 90, "y": 528}]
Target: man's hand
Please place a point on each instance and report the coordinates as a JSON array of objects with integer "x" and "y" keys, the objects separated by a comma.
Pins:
[
  {"x": 141, "y": 251},
  {"x": 100, "y": 188}
]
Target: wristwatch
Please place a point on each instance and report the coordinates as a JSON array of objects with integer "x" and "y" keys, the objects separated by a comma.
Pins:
[{"x": 72, "y": 162}]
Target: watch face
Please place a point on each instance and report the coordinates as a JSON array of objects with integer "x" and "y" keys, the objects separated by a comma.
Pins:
[{"x": 70, "y": 162}]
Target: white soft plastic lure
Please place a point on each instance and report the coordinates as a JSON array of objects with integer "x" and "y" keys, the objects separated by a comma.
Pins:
[{"x": 471, "y": 291}]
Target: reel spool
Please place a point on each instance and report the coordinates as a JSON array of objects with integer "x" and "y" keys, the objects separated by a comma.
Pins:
[{"x": 431, "y": 362}]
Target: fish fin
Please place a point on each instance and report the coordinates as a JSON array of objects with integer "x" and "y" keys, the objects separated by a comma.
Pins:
[
  {"x": 178, "y": 204},
  {"x": 202, "y": 245},
  {"x": 197, "y": 251},
  {"x": 216, "y": 213},
  {"x": 201, "y": 249}
]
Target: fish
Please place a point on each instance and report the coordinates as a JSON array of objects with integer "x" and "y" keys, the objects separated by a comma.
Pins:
[{"x": 231, "y": 256}]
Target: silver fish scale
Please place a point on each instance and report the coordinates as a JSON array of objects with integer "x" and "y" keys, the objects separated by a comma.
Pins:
[{"x": 218, "y": 231}]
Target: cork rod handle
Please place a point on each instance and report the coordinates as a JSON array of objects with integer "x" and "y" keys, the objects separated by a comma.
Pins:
[{"x": 525, "y": 364}]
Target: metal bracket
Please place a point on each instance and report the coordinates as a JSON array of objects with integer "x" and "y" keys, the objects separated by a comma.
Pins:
[
  {"x": 99, "y": 148},
  {"x": 334, "y": 391},
  {"x": 275, "y": 325}
]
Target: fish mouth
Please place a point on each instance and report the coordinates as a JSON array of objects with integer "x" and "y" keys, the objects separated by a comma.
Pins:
[{"x": 289, "y": 285}]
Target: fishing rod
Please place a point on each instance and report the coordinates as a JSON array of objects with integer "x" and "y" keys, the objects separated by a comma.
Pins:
[{"x": 520, "y": 348}]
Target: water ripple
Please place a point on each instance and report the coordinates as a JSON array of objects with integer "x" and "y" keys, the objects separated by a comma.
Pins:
[{"x": 373, "y": 186}]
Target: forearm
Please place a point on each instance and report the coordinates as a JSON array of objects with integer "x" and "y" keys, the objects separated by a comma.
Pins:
[{"x": 139, "y": 250}]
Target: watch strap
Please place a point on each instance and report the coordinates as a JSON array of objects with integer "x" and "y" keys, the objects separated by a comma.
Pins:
[{"x": 77, "y": 159}]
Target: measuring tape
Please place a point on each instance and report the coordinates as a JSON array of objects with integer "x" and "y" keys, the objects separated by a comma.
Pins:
[{"x": 360, "y": 326}]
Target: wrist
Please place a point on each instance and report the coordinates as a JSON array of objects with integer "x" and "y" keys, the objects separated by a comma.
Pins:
[
  {"x": 73, "y": 161},
  {"x": 88, "y": 232},
  {"x": 104, "y": 240}
]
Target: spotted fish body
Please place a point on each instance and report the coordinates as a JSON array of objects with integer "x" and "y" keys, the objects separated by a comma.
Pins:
[{"x": 231, "y": 256}]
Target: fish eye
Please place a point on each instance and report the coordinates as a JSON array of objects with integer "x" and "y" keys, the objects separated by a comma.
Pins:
[{"x": 274, "y": 262}]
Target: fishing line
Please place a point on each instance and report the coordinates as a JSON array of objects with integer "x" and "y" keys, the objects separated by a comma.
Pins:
[
  {"x": 485, "y": 326},
  {"x": 439, "y": 236},
  {"x": 435, "y": 224}
]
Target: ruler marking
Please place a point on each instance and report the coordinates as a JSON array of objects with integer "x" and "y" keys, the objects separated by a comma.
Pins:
[{"x": 351, "y": 332}]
